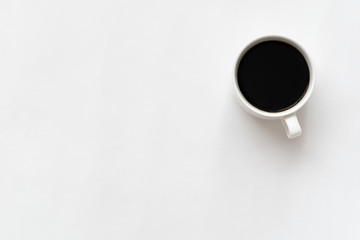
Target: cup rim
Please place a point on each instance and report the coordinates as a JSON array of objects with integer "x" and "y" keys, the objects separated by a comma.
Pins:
[{"x": 274, "y": 115}]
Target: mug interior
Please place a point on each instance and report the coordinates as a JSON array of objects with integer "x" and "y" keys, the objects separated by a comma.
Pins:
[{"x": 278, "y": 114}]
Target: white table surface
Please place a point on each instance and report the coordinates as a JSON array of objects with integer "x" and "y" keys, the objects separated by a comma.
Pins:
[{"x": 117, "y": 121}]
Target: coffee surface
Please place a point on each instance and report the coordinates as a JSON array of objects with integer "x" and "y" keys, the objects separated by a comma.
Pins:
[{"x": 273, "y": 76}]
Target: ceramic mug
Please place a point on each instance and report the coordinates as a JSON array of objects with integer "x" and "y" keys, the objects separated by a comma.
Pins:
[{"x": 287, "y": 116}]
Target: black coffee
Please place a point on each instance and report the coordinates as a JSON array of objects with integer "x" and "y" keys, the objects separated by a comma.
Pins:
[{"x": 273, "y": 76}]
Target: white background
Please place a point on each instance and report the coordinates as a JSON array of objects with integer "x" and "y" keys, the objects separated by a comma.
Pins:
[{"x": 118, "y": 121}]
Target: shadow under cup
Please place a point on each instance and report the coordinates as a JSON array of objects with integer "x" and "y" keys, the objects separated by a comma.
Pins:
[{"x": 273, "y": 76}]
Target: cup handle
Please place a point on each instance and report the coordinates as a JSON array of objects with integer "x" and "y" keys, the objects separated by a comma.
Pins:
[{"x": 292, "y": 126}]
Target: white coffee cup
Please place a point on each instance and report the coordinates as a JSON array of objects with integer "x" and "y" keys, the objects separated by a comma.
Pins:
[{"x": 288, "y": 117}]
